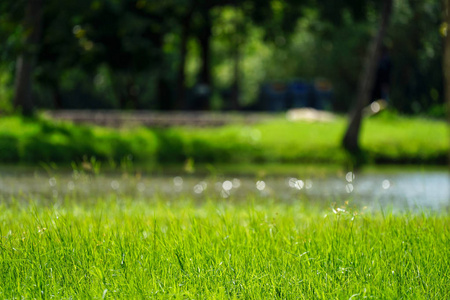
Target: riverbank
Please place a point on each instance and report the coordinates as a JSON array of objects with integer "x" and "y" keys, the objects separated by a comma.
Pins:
[{"x": 385, "y": 139}]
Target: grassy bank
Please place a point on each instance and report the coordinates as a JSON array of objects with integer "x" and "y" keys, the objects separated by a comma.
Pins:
[
  {"x": 118, "y": 248},
  {"x": 385, "y": 139}
]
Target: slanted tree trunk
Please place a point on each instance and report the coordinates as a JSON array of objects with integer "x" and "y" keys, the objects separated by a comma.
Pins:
[
  {"x": 351, "y": 137},
  {"x": 180, "y": 101},
  {"x": 23, "y": 98}
]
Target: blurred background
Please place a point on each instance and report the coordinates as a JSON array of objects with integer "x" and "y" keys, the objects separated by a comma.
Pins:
[
  {"x": 216, "y": 55},
  {"x": 139, "y": 65}
]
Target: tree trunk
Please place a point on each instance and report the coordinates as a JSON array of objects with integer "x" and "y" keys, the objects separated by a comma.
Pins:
[
  {"x": 23, "y": 98},
  {"x": 57, "y": 97},
  {"x": 132, "y": 93},
  {"x": 123, "y": 101},
  {"x": 446, "y": 63},
  {"x": 163, "y": 94},
  {"x": 119, "y": 88},
  {"x": 125, "y": 89},
  {"x": 235, "y": 87},
  {"x": 351, "y": 138},
  {"x": 205, "y": 46},
  {"x": 180, "y": 101}
]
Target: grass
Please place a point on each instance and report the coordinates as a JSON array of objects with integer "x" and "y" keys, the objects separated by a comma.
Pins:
[
  {"x": 385, "y": 139},
  {"x": 116, "y": 247}
]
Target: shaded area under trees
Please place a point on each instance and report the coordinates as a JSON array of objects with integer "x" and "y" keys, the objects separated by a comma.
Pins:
[{"x": 151, "y": 54}]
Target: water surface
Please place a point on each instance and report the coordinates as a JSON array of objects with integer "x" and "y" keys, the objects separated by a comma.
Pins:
[{"x": 396, "y": 188}]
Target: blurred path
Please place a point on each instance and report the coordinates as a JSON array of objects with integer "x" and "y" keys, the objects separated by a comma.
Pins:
[{"x": 117, "y": 118}]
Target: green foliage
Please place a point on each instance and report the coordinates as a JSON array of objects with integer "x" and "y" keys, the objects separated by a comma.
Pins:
[
  {"x": 416, "y": 47},
  {"x": 154, "y": 248},
  {"x": 126, "y": 54},
  {"x": 40, "y": 140},
  {"x": 8, "y": 148},
  {"x": 424, "y": 141},
  {"x": 6, "y": 92},
  {"x": 171, "y": 146},
  {"x": 387, "y": 138}
]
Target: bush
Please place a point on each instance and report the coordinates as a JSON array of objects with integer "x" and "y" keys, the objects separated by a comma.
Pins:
[{"x": 9, "y": 146}]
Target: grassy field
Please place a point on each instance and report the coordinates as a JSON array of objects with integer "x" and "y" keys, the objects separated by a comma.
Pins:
[
  {"x": 114, "y": 247},
  {"x": 385, "y": 139}
]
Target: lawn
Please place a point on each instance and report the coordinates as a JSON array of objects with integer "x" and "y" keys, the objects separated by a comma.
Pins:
[
  {"x": 385, "y": 139},
  {"x": 116, "y": 247}
]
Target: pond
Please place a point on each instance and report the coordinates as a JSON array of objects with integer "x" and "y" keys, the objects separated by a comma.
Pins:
[{"x": 397, "y": 189}]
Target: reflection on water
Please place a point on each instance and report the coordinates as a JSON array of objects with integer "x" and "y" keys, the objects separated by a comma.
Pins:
[{"x": 400, "y": 190}]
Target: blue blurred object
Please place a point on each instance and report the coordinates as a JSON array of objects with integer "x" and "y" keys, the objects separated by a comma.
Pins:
[
  {"x": 323, "y": 94},
  {"x": 299, "y": 94},
  {"x": 274, "y": 96},
  {"x": 278, "y": 96}
]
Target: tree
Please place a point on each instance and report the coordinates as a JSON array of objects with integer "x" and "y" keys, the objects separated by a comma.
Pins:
[
  {"x": 25, "y": 62},
  {"x": 204, "y": 38},
  {"x": 351, "y": 137},
  {"x": 185, "y": 23},
  {"x": 276, "y": 18},
  {"x": 237, "y": 42},
  {"x": 60, "y": 47},
  {"x": 127, "y": 37},
  {"x": 416, "y": 48},
  {"x": 200, "y": 26},
  {"x": 446, "y": 64}
]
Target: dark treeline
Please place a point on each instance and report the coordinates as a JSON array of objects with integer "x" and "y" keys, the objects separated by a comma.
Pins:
[{"x": 211, "y": 54}]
